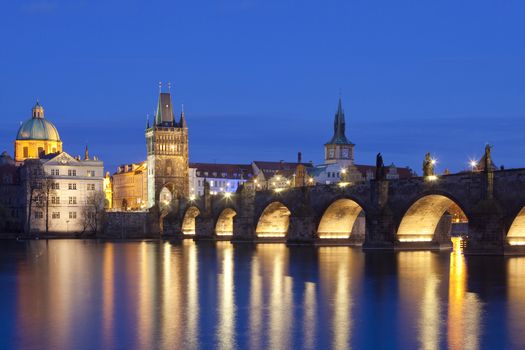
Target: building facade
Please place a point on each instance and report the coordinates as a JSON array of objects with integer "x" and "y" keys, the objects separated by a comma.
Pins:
[
  {"x": 167, "y": 154},
  {"x": 130, "y": 187},
  {"x": 61, "y": 192},
  {"x": 222, "y": 178}
]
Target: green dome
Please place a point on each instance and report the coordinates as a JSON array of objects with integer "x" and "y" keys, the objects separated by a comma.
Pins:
[{"x": 38, "y": 128}]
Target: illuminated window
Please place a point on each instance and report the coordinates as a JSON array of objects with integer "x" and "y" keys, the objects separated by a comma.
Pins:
[{"x": 91, "y": 173}]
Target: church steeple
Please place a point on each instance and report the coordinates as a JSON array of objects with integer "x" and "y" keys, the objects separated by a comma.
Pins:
[
  {"x": 339, "y": 137},
  {"x": 339, "y": 149}
]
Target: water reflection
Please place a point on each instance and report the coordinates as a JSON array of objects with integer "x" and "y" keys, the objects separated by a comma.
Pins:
[
  {"x": 85, "y": 295},
  {"x": 464, "y": 308}
]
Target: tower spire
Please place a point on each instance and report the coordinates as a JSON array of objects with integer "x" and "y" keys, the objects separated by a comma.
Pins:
[
  {"x": 86, "y": 154},
  {"x": 339, "y": 125},
  {"x": 183, "y": 123}
]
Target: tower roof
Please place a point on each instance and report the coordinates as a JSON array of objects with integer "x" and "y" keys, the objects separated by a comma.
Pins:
[
  {"x": 339, "y": 137},
  {"x": 37, "y": 128},
  {"x": 164, "y": 109}
]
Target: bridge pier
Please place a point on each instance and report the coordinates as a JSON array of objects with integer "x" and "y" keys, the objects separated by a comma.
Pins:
[
  {"x": 302, "y": 230},
  {"x": 243, "y": 229},
  {"x": 486, "y": 233},
  {"x": 204, "y": 228}
]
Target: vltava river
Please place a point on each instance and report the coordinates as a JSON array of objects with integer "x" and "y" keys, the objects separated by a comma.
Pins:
[{"x": 70, "y": 294}]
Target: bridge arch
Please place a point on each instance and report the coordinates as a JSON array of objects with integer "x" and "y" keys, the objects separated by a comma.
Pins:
[
  {"x": 188, "y": 221},
  {"x": 273, "y": 221},
  {"x": 224, "y": 223},
  {"x": 340, "y": 220},
  {"x": 516, "y": 232},
  {"x": 420, "y": 220}
]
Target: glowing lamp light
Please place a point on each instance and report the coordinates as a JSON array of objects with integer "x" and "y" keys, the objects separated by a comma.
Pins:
[
  {"x": 277, "y": 190},
  {"x": 432, "y": 178},
  {"x": 433, "y": 161},
  {"x": 310, "y": 180},
  {"x": 343, "y": 184},
  {"x": 343, "y": 171},
  {"x": 288, "y": 182},
  {"x": 192, "y": 197}
]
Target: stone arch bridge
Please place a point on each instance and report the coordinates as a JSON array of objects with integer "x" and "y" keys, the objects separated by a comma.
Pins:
[{"x": 410, "y": 213}]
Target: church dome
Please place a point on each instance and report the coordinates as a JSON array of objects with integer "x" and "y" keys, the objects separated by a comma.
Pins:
[{"x": 38, "y": 128}]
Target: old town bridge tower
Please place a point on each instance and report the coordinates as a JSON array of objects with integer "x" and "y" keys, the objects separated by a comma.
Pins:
[{"x": 167, "y": 147}]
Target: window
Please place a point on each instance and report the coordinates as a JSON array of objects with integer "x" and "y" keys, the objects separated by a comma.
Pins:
[
  {"x": 71, "y": 172},
  {"x": 26, "y": 152},
  {"x": 55, "y": 200},
  {"x": 72, "y": 200},
  {"x": 41, "y": 151},
  {"x": 55, "y": 215},
  {"x": 39, "y": 215},
  {"x": 91, "y": 173},
  {"x": 72, "y": 214},
  {"x": 72, "y": 186},
  {"x": 55, "y": 186},
  {"x": 90, "y": 187},
  {"x": 55, "y": 172}
]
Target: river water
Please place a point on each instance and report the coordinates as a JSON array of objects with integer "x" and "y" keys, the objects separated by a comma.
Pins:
[{"x": 73, "y": 294}]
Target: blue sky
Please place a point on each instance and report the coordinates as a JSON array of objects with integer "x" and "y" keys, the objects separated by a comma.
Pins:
[{"x": 260, "y": 79}]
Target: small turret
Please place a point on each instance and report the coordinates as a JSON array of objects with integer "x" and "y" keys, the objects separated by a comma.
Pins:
[{"x": 38, "y": 111}]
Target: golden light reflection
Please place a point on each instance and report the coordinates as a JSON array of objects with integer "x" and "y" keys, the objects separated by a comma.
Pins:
[
  {"x": 227, "y": 307},
  {"x": 145, "y": 288},
  {"x": 464, "y": 309},
  {"x": 516, "y": 300},
  {"x": 256, "y": 305},
  {"x": 170, "y": 299},
  {"x": 419, "y": 292},
  {"x": 281, "y": 302},
  {"x": 341, "y": 270},
  {"x": 192, "y": 295},
  {"x": 309, "y": 315},
  {"x": 108, "y": 295}
]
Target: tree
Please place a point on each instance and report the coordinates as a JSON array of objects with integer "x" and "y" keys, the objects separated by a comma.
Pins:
[
  {"x": 93, "y": 212},
  {"x": 40, "y": 188},
  {"x": 32, "y": 179}
]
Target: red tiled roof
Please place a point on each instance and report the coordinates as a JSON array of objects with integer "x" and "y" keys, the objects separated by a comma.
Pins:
[{"x": 402, "y": 172}]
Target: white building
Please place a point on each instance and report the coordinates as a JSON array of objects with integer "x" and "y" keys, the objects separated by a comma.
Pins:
[
  {"x": 221, "y": 177},
  {"x": 74, "y": 184}
]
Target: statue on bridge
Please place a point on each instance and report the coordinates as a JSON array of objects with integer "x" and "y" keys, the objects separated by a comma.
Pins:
[
  {"x": 488, "y": 158},
  {"x": 380, "y": 168},
  {"x": 428, "y": 166}
]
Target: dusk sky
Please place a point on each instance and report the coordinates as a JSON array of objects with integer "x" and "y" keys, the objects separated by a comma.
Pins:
[{"x": 260, "y": 80}]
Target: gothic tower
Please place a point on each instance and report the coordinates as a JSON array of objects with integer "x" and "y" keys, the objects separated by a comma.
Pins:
[
  {"x": 167, "y": 147},
  {"x": 339, "y": 150}
]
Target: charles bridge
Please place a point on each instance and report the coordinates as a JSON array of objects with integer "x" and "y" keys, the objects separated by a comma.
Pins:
[{"x": 399, "y": 214}]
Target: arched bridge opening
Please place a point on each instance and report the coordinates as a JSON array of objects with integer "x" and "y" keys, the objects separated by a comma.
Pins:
[
  {"x": 343, "y": 219},
  {"x": 188, "y": 222},
  {"x": 430, "y": 218},
  {"x": 274, "y": 221},
  {"x": 516, "y": 233},
  {"x": 224, "y": 225}
]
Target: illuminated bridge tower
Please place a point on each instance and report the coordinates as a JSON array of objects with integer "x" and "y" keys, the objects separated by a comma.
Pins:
[{"x": 167, "y": 147}]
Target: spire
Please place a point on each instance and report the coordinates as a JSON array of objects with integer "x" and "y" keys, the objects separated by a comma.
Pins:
[
  {"x": 339, "y": 126},
  {"x": 164, "y": 112},
  {"x": 86, "y": 154},
  {"x": 183, "y": 123},
  {"x": 147, "y": 121}
]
